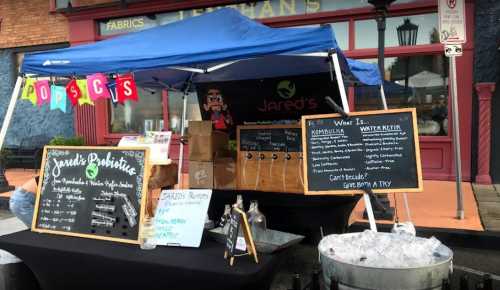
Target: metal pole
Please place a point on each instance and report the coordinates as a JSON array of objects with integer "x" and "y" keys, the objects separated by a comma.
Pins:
[
  {"x": 183, "y": 127},
  {"x": 345, "y": 106},
  {"x": 456, "y": 138},
  {"x": 381, "y": 42}
]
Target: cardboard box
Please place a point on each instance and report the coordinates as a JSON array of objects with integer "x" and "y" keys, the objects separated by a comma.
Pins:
[
  {"x": 204, "y": 142},
  {"x": 225, "y": 173},
  {"x": 201, "y": 174}
]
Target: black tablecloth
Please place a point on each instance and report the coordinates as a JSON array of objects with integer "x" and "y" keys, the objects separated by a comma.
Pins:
[{"x": 62, "y": 262}]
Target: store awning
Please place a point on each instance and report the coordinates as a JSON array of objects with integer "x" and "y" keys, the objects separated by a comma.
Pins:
[{"x": 200, "y": 42}]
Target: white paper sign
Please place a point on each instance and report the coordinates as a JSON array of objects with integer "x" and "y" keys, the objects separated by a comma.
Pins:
[
  {"x": 180, "y": 217},
  {"x": 452, "y": 21},
  {"x": 157, "y": 142}
]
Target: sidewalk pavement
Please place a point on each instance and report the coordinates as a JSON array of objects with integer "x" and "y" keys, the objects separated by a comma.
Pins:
[
  {"x": 435, "y": 207},
  {"x": 488, "y": 200}
]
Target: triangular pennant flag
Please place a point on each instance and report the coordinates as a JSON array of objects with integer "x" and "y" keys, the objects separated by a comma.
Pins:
[
  {"x": 58, "y": 98},
  {"x": 96, "y": 85},
  {"x": 126, "y": 88},
  {"x": 73, "y": 92},
  {"x": 42, "y": 89},
  {"x": 84, "y": 99},
  {"x": 112, "y": 91},
  {"x": 29, "y": 91}
]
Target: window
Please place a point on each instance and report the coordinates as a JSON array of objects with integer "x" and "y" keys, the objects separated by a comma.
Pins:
[
  {"x": 367, "y": 34},
  {"x": 341, "y": 31},
  {"x": 427, "y": 90},
  {"x": 62, "y": 4},
  {"x": 175, "y": 102},
  {"x": 138, "y": 117}
]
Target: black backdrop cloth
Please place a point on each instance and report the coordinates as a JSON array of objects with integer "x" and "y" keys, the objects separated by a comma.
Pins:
[{"x": 62, "y": 262}]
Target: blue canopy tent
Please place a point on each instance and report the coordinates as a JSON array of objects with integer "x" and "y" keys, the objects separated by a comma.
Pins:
[{"x": 221, "y": 45}]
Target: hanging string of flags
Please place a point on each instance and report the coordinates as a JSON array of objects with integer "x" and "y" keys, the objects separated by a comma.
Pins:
[{"x": 80, "y": 91}]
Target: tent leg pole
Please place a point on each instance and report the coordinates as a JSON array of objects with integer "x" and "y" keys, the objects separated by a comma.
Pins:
[
  {"x": 4, "y": 184},
  {"x": 181, "y": 149},
  {"x": 345, "y": 105},
  {"x": 10, "y": 111},
  {"x": 405, "y": 195},
  {"x": 340, "y": 82}
]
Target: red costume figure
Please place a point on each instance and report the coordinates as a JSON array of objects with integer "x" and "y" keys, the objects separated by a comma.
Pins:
[{"x": 219, "y": 114}]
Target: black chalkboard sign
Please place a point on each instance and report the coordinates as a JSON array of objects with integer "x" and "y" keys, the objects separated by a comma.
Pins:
[
  {"x": 375, "y": 149},
  {"x": 239, "y": 219},
  {"x": 271, "y": 138},
  {"x": 232, "y": 233},
  {"x": 93, "y": 192}
]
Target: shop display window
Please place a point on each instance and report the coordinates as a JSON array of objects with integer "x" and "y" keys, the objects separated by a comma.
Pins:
[
  {"x": 138, "y": 117},
  {"x": 427, "y": 90},
  {"x": 175, "y": 110},
  {"x": 367, "y": 35}
]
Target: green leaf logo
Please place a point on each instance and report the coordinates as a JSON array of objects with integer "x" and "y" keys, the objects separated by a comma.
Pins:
[
  {"x": 91, "y": 171},
  {"x": 286, "y": 89}
]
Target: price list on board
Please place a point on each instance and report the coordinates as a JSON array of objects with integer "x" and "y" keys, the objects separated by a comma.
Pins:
[{"x": 371, "y": 151}]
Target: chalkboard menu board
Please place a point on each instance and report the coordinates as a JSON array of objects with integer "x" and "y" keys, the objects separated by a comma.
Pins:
[
  {"x": 232, "y": 233},
  {"x": 272, "y": 138},
  {"x": 375, "y": 149},
  {"x": 92, "y": 192}
]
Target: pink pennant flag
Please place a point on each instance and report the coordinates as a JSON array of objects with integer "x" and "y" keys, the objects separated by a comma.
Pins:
[
  {"x": 42, "y": 90},
  {"x": 96, "y": 85}
]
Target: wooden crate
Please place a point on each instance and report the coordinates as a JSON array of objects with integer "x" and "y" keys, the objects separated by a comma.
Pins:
[{"x": 269, "y": 169}]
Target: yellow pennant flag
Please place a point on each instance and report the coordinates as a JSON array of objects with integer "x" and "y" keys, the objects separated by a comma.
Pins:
[
  {"x": 29, "y": 91},
  {"x": 85, "y": 98}
]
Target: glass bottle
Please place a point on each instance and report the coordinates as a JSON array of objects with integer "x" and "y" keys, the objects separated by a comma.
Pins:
[
  {"x": 257, "y": 221},
  {"x": 147, "y": 236},
  {"x": 224, "y": 219},
  {"x": 239, "y": 202}
]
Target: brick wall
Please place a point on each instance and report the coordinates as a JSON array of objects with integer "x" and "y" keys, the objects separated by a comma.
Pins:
[{"x": 28, "y": 22}]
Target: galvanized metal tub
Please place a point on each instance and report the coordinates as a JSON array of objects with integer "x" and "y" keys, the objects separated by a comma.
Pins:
[{"x": 352, "y": 276}]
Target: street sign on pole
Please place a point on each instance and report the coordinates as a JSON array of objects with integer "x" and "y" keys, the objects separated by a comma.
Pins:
[
  {"x": 452, "y": 34},
  {"x": 453, "y": 50},
  {"x": 452, "y": 21}
]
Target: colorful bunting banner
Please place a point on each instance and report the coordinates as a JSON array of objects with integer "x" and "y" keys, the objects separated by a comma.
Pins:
[
  {"x": 112, "y": 91},
  {"x": 126, "y": 88},
  {"x": 42, "y": 89},
  {"x": 29, "y": 91},
  {"x": 84, "y": 99},
  {"x": 96, "y": 85},
  {"x": 73, "y": 92},
  {"x": 58, "y": 98}
]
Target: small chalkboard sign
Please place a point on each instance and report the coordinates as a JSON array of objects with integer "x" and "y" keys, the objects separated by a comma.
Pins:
[
  {"x": 232, "y": 233},
  {"x": 92, "y": 192},
  {"x": 270, "y": 138},
  {"x": 239, "y": 219},
  {"x": 375, "y": 149}
]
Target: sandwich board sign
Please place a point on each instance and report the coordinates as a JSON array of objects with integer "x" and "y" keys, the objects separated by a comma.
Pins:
[{"x": 452, "y": 21}]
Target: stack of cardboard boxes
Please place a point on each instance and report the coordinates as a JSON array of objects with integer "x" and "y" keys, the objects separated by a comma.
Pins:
[{"x": 211, "y": 164}]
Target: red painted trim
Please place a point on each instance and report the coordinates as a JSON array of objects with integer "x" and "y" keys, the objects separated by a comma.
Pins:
[
  {"x": 52, "y": 6},
  {"x": 484, "y": 93},
  {"x": 352, "y": 34}
]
